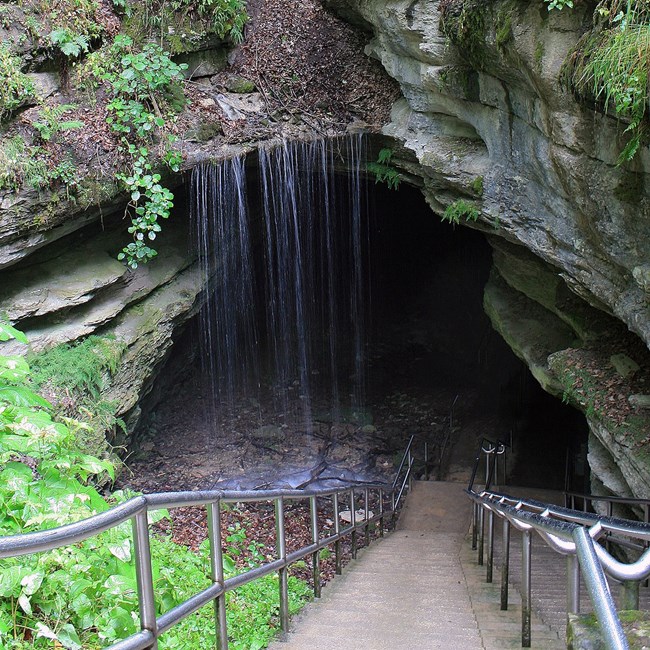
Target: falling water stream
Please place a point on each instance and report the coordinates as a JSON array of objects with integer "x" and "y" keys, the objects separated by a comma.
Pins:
[
  {"x": 301, "y": 381},
  {"x": 287, "y": 284}
]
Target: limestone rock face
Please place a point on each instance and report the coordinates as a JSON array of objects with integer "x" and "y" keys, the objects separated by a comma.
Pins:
[
  {"x": 547, "y": 163},
  {"x": 489, "y": 122}
]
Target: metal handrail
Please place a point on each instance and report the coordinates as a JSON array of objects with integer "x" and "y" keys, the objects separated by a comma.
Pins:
[
  {"x": 572, "y": 533},
  {"x": 137, "y": 508},
  {"x": 491, "y": 450},
  {"x": 571, "y": 497}
]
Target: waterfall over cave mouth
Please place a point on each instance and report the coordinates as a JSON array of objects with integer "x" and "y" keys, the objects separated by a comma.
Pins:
[
  {"x": 340, "y": 317},
  {"x": 284, "y": 256}
]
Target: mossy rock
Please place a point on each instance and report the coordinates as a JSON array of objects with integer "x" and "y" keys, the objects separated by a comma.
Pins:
[
  {"x": 584, "y": 633},
  {"x": 241, "y": 85}
]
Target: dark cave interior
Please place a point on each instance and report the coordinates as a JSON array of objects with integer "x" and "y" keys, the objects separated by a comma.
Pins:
[{"x": 428, "y": 333}]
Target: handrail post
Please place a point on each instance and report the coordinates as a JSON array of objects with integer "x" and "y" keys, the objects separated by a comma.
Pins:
[
  {"x": 526, "y": 605},
  {"x": 481, "y": 517},
  {"x": 381, "y": 512},
  {"x": 393, "y": 506},
  {"x": 573, "y": 585},
  {"x": 337, "y": 531},
  {"x": 426, "y": 460},
  {"x": 505, "y": 564},
  {"x": 367, "y": 513},
  {"x": 353, "y": 523},
  {"x": 315, "y": 555},
  {"x": 146, "y": 600},
  {"x": 410, "y": 469},
  {"x": 474, "y": 524},
  {"x": 490, "y": 546},
  {"x": 281, "y": 545},
  {"x": 598, "y": 589},
  {"x": 216, "y": 568}
]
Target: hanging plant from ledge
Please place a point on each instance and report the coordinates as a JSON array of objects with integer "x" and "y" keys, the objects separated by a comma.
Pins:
[
  {"x": 611, "y": 66},
  {"x": 145, "y": 95}
]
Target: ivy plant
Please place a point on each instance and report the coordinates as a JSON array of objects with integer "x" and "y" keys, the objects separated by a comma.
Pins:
[{"x": 145, "y": 93}]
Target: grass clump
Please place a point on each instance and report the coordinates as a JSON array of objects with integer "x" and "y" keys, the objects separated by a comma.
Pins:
[
  {"x": 611, "y": 66},
  {"x": 72, "y": 376},
  {"x": 80, "y": 367}
]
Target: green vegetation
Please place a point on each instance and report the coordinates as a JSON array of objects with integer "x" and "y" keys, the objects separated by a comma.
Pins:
[
  {"x": 503, "y": 29},
  {"x": 70, "y": 44},
  {"x": 579, "y": 387},
  {"x": 382, "y": 169},
  {"x": 83, "y": 596},
  {"x": 15, "y": 88},
  {"x": 50, "y": 123},
  {"x": 464, "y": 24},
  {"x": 610, "y": 66},
  {"x": 81, "y": 367},
  {"x": 21, "y": 165},
  {"x": 559, "y": 4},
  {"x": 477, "y": 185},
  {"x": 460, "y": 209},
  {"x": 74, "y": 375},
  {"x": 181, "y": 25},
  {"x": 145, "y": 93}
]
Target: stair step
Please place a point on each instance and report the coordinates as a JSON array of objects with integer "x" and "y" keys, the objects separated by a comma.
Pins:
[{"x": 418, "y": 588}]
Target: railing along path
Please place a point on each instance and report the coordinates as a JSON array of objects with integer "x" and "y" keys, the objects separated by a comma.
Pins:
[
  {"x": 136, "y": 509},
  {"x": 574, "y": 533}
]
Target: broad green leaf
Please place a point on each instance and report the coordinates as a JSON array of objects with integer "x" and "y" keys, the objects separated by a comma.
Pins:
[
  {"x": 10, "y": 581},
  {"x": 25, "y": 604},
  {"x": 21, "y": 396},
  {"x": 13, "y": 368},
  {"x": 8, "y": 332},
  {"x": 121, "y": 551},
  {"x": 44, "y": 631},
  {"x": 69, "y": 638},
  {"x": 32, "y": 582}
]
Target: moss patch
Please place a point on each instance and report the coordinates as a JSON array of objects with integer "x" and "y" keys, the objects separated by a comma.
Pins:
[
  {"x": 464, "y": 23},
  {"x": 584, "y": 633}
]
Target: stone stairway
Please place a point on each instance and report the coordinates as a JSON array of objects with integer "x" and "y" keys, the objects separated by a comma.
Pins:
[{"x": 417, "y": 589}]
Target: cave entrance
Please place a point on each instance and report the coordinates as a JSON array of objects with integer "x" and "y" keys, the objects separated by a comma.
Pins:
[{"x": 414, "y": 349}]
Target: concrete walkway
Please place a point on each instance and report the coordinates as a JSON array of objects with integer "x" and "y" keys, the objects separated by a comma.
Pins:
[{"x": 418, "y": 589}]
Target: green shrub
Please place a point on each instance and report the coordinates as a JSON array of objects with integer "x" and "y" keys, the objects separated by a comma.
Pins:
[
  {"x": 16, "y": 89},
  {"x": 84, "y": 595},
  {"x": 611, "y": 66},
  {"x": 80, "y": 367},
  {"x": 145, "y": 85}
]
